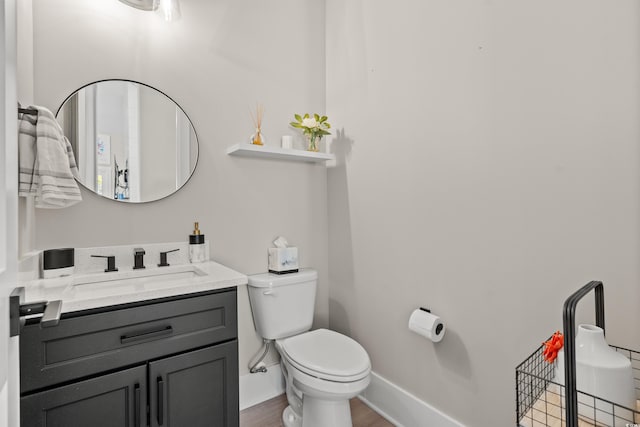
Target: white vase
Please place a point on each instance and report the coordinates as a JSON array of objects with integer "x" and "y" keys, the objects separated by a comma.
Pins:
[{"x": 602, "y": 372}]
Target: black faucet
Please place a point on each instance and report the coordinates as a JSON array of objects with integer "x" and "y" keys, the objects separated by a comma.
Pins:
[
  {"x": 138, "y": 258},
  {"x": 111, "y": 262},
  {"x": 163, "y": 258}
]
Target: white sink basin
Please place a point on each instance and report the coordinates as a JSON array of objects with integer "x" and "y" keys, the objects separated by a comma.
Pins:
[
  {"x": 113, "y": 283},
  {"x": 95, "y": 290},
  {"x": 141, "y": 276}
]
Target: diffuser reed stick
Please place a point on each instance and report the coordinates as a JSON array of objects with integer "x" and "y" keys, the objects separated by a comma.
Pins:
[{"x": 256, "y": 138}]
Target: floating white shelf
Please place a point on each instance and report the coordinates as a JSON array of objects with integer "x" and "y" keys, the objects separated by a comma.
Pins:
[{"x": 250, "y": 150}]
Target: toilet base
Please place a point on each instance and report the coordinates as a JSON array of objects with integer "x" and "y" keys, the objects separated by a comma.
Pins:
[
  {"x": 290, "y": 419},
  {"x": 319, "y": 413},
  {"x": 323, "y": 413}
]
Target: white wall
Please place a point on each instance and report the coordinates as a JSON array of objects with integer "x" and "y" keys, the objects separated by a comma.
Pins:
[
  {"x": 489, "y": 166},
  {"x": 219, "y": 60}
]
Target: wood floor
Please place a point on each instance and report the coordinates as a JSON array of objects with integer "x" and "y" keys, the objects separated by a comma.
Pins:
[{"x": 269, "y": 414}]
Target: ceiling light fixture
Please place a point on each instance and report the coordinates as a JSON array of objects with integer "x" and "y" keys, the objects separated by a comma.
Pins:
[
  {"x": 169, "y": 9},
  {"x": 140, "y": 4}
]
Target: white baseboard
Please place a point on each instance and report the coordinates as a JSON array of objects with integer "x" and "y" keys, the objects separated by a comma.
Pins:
[
  {"x": 402, "y": 408},
  {"x": 398, "y": 406},
  {"x": 258, "y": 387}
]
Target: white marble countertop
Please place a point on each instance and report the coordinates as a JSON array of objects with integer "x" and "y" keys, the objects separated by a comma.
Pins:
[{"x": 96, "y": 290}]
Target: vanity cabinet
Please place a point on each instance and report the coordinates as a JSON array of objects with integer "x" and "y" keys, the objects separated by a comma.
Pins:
[
  {"x": 192, "y": 389},
  {"x": 117, "y": 399},
  {"x": 170, "y": 362}
]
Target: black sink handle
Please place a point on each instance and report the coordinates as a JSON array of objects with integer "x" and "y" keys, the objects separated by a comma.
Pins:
[
  {"x": 163, "y": 258},
  {"x": 111, "y": 262}
]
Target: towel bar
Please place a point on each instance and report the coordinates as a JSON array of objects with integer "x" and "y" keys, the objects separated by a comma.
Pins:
[{"x": 29, "y": 111}]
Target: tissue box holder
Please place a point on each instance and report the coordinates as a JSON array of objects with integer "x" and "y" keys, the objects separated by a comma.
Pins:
[{"x": 283, "y": 260}]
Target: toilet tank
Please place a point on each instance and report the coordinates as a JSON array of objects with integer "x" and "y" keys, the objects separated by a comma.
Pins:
[{"x": 283, "y": 304}]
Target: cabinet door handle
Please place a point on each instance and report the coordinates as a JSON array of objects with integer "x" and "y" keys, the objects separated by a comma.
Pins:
[
  {"x": 136, "y": 405},
  {"x": 146, "y": 335},
  {"x": 160, "y": 401}
]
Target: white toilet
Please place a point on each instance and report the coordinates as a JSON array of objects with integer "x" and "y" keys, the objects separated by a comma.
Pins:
[{"x": 323, "y": 369}]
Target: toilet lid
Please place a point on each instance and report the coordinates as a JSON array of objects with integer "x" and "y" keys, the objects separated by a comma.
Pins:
[{"x": 327, "y": 354}]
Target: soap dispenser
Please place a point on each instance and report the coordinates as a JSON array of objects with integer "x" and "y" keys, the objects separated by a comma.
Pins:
[{"x": 197, "y": 248}]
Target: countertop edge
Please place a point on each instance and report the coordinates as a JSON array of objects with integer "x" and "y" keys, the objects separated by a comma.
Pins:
[{"x": 41, "y": 289}]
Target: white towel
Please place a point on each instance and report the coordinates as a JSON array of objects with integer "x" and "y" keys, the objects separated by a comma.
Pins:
[{"x": 47, "y": 164}]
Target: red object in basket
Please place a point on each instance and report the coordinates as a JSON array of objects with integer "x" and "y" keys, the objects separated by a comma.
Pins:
[{"x": 552, "y": 346}]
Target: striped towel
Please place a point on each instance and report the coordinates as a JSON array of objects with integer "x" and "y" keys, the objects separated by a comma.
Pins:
[{"x": 47, "y": 164}]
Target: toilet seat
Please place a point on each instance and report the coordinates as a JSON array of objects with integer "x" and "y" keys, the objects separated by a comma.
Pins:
[{"x": 327, "y": 355}]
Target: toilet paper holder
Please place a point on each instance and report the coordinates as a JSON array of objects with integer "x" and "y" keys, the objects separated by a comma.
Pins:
[
  {"x": 439, "y": 326},
  {"x": 426, "y": 324}
]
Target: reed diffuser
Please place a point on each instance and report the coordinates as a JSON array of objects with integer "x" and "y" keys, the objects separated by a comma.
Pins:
[{"x": 256, "y": 138}]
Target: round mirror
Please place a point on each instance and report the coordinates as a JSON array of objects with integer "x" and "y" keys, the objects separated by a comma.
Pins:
[{"x": 132, "y": 143}]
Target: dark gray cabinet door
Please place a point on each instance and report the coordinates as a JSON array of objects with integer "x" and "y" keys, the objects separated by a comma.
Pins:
[
  {"x": 113, "y": 400},
  {"x": 196, "y": 389}
]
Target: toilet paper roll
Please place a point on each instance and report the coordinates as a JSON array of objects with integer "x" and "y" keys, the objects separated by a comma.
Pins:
[{"x": 426, "y": 324}]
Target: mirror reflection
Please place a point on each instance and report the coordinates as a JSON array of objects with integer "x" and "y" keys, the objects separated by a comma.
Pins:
[{"x": 132, "y": 142}]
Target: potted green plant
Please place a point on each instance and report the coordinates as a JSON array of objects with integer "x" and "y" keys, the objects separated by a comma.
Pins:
[{"x": 314, "y": 128}]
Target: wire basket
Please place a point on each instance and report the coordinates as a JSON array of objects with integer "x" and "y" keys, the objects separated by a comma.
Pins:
[{"x": 543, "y": 402}]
